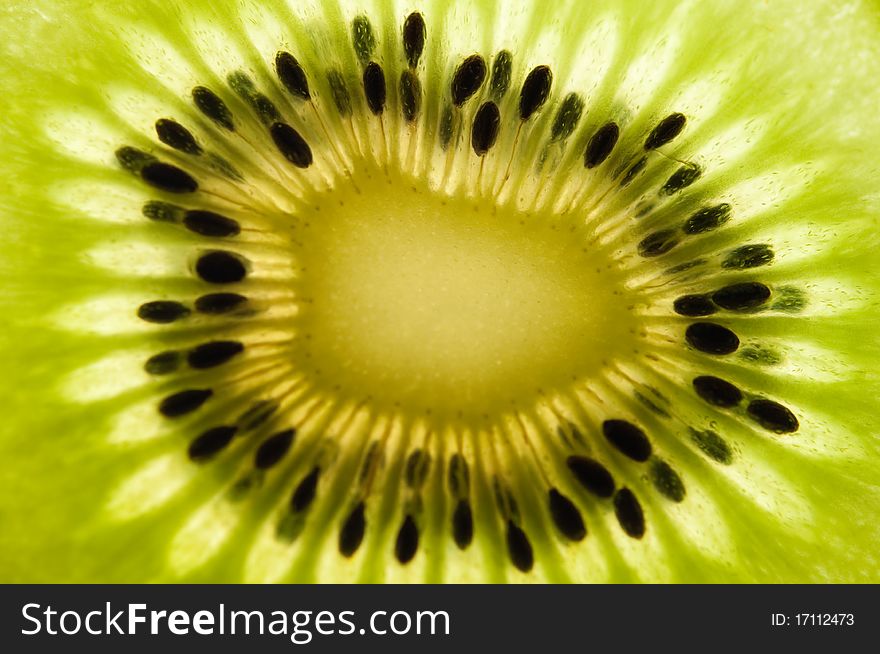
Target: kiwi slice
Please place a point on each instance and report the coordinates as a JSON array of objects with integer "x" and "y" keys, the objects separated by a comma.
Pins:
[{"x": 429, "y": 291}]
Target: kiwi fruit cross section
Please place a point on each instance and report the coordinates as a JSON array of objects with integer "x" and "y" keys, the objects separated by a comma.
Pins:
[{"x": 449, "y": 292}]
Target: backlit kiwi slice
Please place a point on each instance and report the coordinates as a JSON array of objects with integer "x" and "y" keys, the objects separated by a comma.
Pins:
[{"x": 439, "y": 291}]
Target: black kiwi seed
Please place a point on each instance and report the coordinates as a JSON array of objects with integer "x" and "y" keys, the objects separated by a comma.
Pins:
[
  {"x": 291, "y": 145},
  {"x": 407, "y": 540},
  {"x": 485, "y": 129},
  {"x": 292, "y": 75},
  {"x": 748, "y": 256},
  {"x": 362, "y": 38},
  {"x": 717, "y": 391},
  {"x": 163, "y": 212},
  {"x": 417, "y": 466},
  {"x": 210, "y": 104},
  {"x": 468, "y": 78},
  {"x": 183, "y": 402},
  {"x": 501, "y": 73},
  {"x": 163, "y": 363},
  {"x": 592, "y": 475},
  {"x": 305, "y": 491},
  {"x": 633, "y": 171},
  {"x": 694, "y": 306},
  {"x": 208, "y": 223},
  {"x": 629, "y": 513},
  {"x": 535, "y": 91},
  {"x": 658, "y": 243},
  {"x": 713, "y": 446},
  {"x": 273, "y": 449},
  {"x": 681, "y": 179},
  {"x": 213, "y": 353},
  {"x": 413, "y": 38},
  {"x": 162, "y": 311},
  {"x": 176, "y": 136},
  {"x": 601, "y": 144},
  {"x": 567, "y": 117},
  {"x": 666, "y": 130},
  {"x": 707, "y": 219},
  {"x": 627, "y": 438},
  {"x": 220, "y": 267},
  {"x": 772, "y": 416},
  {"x": 667, "y": 481},
  {"x": 711, "y": 338},
  {"x": 218, "y": 303},
  {"x": 352, "y": 532},
  {"x": 339, "y": 91},
  {"x": 410, "y": 95},
  {"x": 374, "y": 87},
  {"x": 519, "y": 548},
  {"x": 210, "y": 442},
  {"x": 168, "y": 178},
  {"x": 566, "y": 516},
  {"x": 462, "y": 524},
  {"x": 742, "y": 296}
]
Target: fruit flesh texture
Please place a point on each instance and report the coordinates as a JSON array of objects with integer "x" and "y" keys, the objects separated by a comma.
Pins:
[
  {"x": 772, "y": 131},
  {"x": 460, "y": 268}
]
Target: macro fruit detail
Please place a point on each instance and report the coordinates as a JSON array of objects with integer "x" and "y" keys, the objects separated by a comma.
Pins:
[{"x": 447, "y": 291}]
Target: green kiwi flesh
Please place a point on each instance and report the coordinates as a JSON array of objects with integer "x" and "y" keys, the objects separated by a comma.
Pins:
[{"x": 440, "y": 292}]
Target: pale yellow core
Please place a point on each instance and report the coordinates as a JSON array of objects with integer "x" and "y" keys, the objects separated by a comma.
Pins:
[{"x": 447, "y": 305}]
